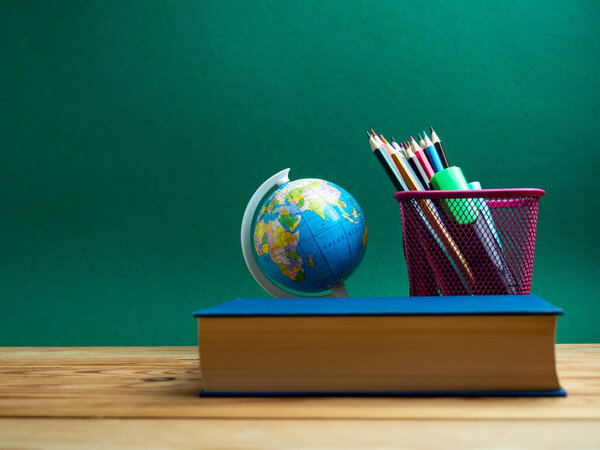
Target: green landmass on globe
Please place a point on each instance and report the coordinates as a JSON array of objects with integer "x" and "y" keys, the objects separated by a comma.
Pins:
[{"x": 310, "y": 235}]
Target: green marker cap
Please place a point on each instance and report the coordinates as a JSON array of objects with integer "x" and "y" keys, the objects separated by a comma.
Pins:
[{"x": 452, "y": 179}]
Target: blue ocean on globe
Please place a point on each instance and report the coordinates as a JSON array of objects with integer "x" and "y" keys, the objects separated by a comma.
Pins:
[{"x": 310, "y": 235}]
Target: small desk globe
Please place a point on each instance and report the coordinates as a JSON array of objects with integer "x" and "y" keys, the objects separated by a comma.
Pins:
[{"x": 309, "y": 235}]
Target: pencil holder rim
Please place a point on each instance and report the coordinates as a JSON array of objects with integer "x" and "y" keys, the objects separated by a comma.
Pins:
[{"x": 480, "y": 193}]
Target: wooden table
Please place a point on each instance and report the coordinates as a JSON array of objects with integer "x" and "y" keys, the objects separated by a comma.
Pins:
[{"x": 146, "y": 397}]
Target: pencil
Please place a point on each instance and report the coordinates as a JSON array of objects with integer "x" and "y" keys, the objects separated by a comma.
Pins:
[
  {"x": 432, "y": 154},
  {"x": 440, "y": 148},
  {"x": 450, "y": 260},
  {"x": 417, "y": 167},
  {"x": 422, "y": 158},
  {"x": 387, "y": 164},
  {"x": 406, "y": 172},
  {"x": 421, "y": 141},
  {"x": 380, "y": 143}
]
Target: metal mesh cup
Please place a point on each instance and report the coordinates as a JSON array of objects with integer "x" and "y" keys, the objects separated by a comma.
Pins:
[{"x": 477, "y": 242}]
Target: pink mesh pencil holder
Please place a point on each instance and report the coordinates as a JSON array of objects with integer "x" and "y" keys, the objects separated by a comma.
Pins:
[{"x": 476, "y": 242}]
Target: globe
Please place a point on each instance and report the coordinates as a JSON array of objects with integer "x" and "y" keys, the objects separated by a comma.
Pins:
[{"x": 309, "y": 235}]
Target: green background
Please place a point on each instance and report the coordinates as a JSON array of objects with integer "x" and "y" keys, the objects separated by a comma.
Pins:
[{"x": 133, "y": 133}]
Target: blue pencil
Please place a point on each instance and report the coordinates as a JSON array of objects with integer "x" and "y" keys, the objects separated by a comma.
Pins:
[{"x": 432, "y": 154}]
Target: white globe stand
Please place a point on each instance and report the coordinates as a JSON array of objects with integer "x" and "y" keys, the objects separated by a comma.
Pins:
[{"x": 275, "y": 181}]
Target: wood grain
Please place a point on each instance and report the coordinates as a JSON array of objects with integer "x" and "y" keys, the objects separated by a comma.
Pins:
[
  {"x": 163, "y": 382},
  {"x": 297, "y": 434}
]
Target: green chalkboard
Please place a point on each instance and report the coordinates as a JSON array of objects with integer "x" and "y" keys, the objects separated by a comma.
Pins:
[{"x": 133, "y": 134}]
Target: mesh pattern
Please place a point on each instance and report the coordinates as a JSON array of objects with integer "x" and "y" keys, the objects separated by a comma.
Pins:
[{"x": 469, "y": 242}]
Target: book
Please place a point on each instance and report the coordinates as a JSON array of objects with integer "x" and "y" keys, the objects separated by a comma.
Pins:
[{"x": 446, "y": 346}]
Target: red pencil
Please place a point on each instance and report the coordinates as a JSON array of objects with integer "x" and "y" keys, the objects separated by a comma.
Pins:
[{"x": 418, "y": 151}]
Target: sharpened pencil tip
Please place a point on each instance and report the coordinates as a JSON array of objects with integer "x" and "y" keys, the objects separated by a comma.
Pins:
[
  {"x": 424, "y": 134},
  {"x": 419, "y": 134},
  {"x": 372, "y": 132},
  {"x": 368, "y": 134},
  {"x": 431, "y": 129},
  {"x": 393, "y": 140}
]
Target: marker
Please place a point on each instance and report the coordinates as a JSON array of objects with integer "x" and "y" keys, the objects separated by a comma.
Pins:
[
  {"x": 463, "y": 211},
  {"x": 417, "y": 167},
  {"x": 440, "y": 148},
  {"x": 432, "y": 154},
  {"x": 485, "y": 229},
  {"x": 465, "y": 220},
  {"x": 388, "y": 165},
  {"x": 422, "y": 158},
  {"x": 421, "y": 141}
]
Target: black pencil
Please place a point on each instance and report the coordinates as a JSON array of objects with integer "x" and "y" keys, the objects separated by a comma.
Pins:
[
  {"x": 387, "y": 165},
  {"x": 417, "y": 167},
  {"x": 440, "y": 148}
]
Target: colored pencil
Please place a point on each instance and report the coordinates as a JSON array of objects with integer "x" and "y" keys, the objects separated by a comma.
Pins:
[
  {"x": 387, "y": 164},
  {"x": 421, "y": 141},
  {"x": 380, "y": 143},
  {"x": 408, "y": 175},
  {"x": 440, "y": 148},
  {"x": 432, "y": 154},
  {"x": 417, "y": 167},
  {"x": 430, "y": 216},
  {"x": 422, "y": 158}
]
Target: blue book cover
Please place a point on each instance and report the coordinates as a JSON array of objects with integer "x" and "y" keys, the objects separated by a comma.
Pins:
[{"x": 383, "y": 306}]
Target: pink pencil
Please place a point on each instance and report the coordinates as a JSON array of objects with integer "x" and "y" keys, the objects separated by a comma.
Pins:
[{"x": 418, "y": 151}]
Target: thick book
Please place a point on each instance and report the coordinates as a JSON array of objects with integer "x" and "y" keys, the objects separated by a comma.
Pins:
[{"x": 417, "y": 346}]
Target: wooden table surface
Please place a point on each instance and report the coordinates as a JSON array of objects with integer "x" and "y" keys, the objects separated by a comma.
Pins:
[{"x": 146, "y": 397}]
